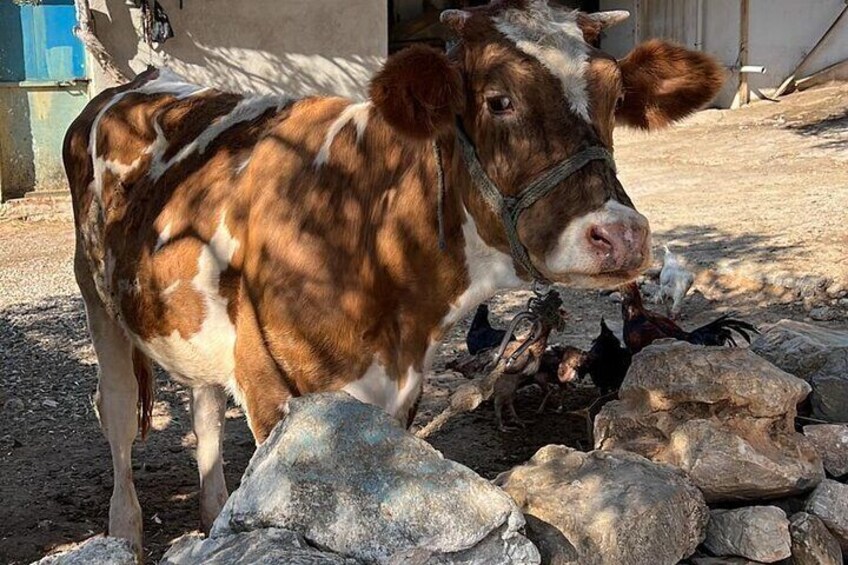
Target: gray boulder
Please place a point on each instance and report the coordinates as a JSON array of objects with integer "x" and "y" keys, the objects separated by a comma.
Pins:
[
  {"x": 723, "y": 415},
  {"x": 812, "y": 543},
  {"x": 798, "y": 348},
  {"x": 830, "y": 388},
  {"x": 606, "y": 507},
  {"x": 707, "y": 560},
  {"x": 94, "y": 551},
  {"x": 760, "y": 533},
  {"x": 346, "y": 478},
  {"x": 831, "y": 441},
  {"x": 830, "y": 503},
  {"x": 269, "y": 546}
]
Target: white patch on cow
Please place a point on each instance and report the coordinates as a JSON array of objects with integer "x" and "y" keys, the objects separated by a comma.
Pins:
[
  {"x": 375, "y": 387},
  {"x": 246, "y": 110},
  {"x": 169, "y": 82},
  {"x": 171, "y": 288},
  {"x": 237, "y": 395},
  {"x": 489, "y": 271},
  {"x": 378, "y": 388},
  {"x": 208, "y": 409},
  {"x": 407, "y": 396},
  {"x": 358, "y": 113},
  {"x": 552, "y": 37},
  {"x": 164, "y": 237},
  {"x": 119, "y": 169},
  {"x": 208, "y": 356},
  {"x": 243, "y": 165},
  {"x": 572, "y": 253}
]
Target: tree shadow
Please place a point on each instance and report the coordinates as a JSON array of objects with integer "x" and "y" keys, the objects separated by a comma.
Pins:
[
  {"x": 831, "y": 130},
  {"x": 711, "y": 246},
  {"x": 207, "y": 49},
  {"x": 55, "y": 462}
]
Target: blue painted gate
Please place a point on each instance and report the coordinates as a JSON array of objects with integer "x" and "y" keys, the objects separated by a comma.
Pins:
[{"x": 43, "y": 86}]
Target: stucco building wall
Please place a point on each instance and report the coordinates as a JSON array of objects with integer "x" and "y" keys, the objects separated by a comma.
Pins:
[
  {"x": 780, "y": 33},
  {"x": 296, "y": 47}
]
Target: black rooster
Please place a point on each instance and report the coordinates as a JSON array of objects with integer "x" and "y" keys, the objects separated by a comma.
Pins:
[
  {"x": 607, "y": 361},
  {"x": 642, "y": 327},
  {"x": 481, "y": 335}
]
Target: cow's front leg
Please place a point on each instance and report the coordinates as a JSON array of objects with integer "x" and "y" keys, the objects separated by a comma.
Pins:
[{"x": 208, "y": 411}]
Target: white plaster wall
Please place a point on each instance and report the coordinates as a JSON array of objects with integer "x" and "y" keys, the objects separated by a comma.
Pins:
[
  {"x": 297, "y": 47},
  {"x": 619, "y": 40},
  {"x": 780, "y": 32}
]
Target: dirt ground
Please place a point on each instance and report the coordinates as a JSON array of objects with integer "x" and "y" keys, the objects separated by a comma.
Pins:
[{"x": 754, "y": 195}]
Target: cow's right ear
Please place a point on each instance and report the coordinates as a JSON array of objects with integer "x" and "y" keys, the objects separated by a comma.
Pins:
[{"x": 418, "y": 92}]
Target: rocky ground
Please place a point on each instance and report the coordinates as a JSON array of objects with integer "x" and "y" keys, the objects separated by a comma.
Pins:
[{"x": 750, "y": 197}]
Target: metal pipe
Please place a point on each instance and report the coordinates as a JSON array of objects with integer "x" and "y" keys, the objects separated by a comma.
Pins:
[{"x": 699, "y": 26}]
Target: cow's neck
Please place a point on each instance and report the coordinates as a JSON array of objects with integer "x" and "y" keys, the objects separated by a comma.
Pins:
[{"x": 484, "y": 269}]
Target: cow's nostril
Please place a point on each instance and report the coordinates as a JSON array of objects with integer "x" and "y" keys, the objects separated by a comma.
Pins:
[{"x": 600, "y": 239}]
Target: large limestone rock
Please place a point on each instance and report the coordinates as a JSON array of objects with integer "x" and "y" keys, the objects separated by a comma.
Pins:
[
  {"x": 704, "y": 560},
  {"x": 760, "y": 533},
  {"x": 816, "y": 354},
  {"x": 812, "y": 543},
  {"x": 798, "y": 348},
  {"x": 830, "y": 503},
  {"x": 830, "y": 388},
  {"x": 269, "y": 546},
  {"x": 346, "y": 478},
  {"x": 723, "y": 415},
  {"x": 606, "y": 507},
  {"x": 94, "y": 551},
  {"x": 831, "y": 441}
]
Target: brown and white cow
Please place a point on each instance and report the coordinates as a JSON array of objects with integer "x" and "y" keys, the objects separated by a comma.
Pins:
[{"x": 266, "y": 247}]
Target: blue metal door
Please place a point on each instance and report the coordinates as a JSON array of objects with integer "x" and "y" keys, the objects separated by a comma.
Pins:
[{"x": 42, "y": 89}]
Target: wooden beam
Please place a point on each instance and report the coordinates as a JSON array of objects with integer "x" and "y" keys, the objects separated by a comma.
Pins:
[
  {"x": 85, "y": 31},
  {"x": 743, "y": 94},
  {"x": 838, "y": 71}
]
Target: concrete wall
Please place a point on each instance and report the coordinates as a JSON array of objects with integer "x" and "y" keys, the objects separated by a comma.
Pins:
[
  {"x": 297, "y": 47},
  {"x": 780, "y": 33},
  {"x": 33, "y": 120}
]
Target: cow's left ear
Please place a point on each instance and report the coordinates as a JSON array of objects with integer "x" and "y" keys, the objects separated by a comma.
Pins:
[
  {"x": 664, "y": 82},
  {"x": 418, "y": 91}
]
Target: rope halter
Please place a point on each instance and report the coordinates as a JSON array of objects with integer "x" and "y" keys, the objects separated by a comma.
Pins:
[{"x": 509, "y": 208}]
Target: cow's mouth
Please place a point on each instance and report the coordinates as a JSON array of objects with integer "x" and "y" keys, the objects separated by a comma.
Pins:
[{"x": 604, "y": 248}]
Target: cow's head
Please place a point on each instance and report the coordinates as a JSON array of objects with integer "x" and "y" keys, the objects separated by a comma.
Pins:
[{"x": 530, "y": 92}]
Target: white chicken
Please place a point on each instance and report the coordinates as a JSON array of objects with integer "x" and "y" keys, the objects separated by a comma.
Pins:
[{"x": 675, "y": 282}]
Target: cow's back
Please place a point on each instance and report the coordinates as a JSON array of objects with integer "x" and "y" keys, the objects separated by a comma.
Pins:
[{"x": 154, "y": 168}]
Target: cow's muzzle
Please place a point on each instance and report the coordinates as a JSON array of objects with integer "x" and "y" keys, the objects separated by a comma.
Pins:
[{"x": 612, "y": 243}]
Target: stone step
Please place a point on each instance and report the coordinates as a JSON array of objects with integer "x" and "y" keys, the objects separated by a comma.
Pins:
[{"x": 52, "y": 205}]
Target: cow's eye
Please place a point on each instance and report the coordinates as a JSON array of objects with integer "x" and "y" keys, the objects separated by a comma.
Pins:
[
  {"x": 619, "y": 102},
  {"x": 499, "y": 104}
]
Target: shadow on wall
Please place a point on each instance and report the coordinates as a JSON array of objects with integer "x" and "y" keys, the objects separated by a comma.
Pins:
[{"x": 297, "y": 49}]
